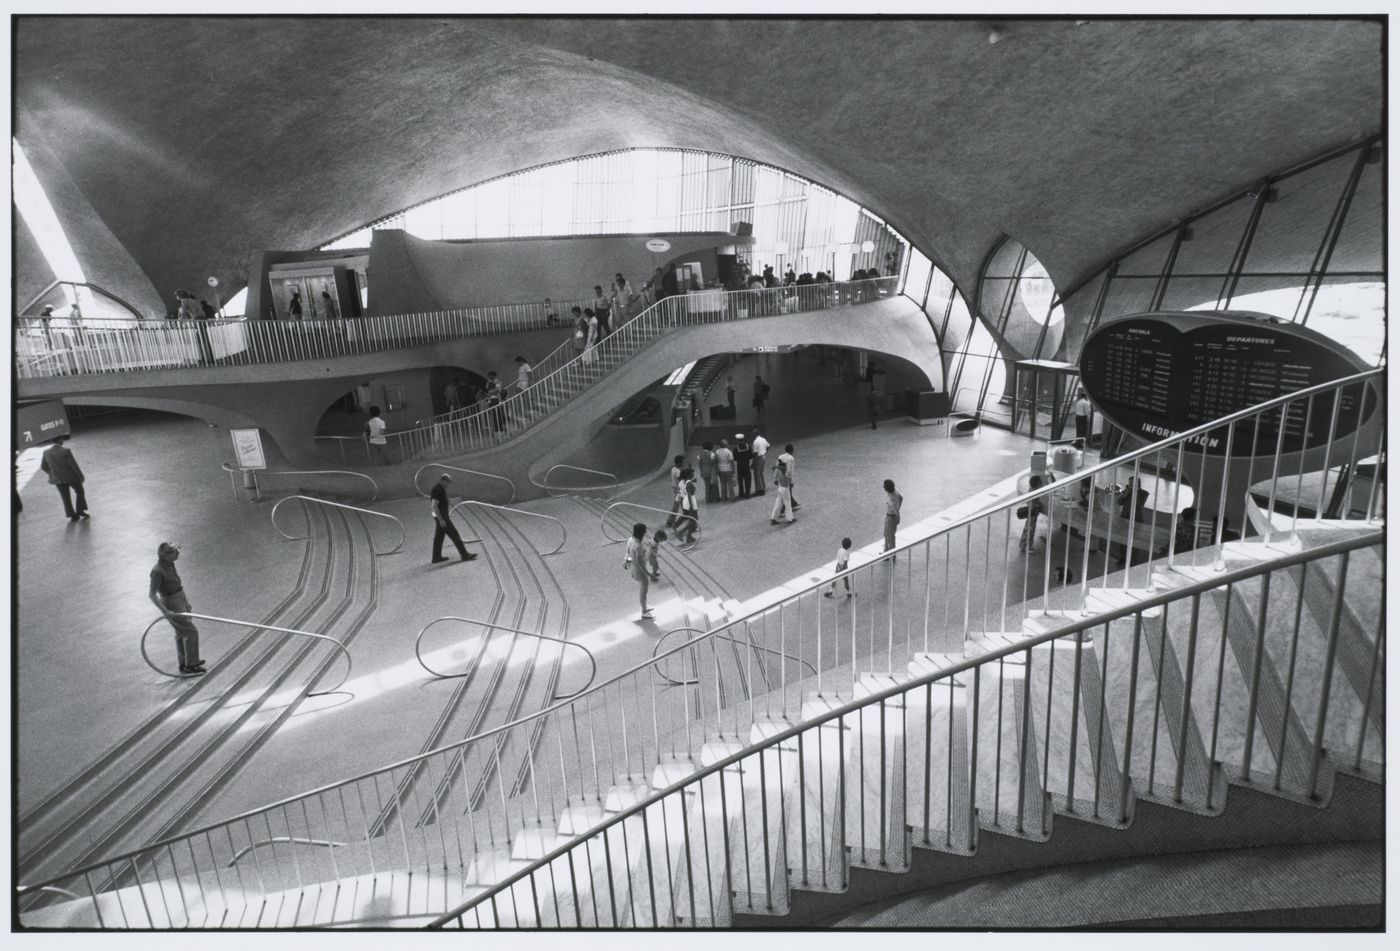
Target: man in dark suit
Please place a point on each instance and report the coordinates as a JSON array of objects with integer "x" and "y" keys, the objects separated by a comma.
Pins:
[
  {"x": 443, "y": 522},
  {"x": 65, "y": 473}
]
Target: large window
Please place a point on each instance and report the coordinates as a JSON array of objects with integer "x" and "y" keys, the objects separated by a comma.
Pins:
[
  {"x": 796, "y": 223},
  {"x": 1305, "y": 246}
]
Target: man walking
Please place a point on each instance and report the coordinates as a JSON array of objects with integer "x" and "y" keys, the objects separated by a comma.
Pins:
[
  {"x": 782, "y": 505},
  {"x": 167, "y": 593},
  {"x": 729, "y": 395},
  {"x": 442, "y": 522},
  {"x": 893, "y": 502},
  {"x": 760, "y": 461},
  {"x": 788, "y": 460},
  {"x": 760, "y": 397},
  {"x": 65, "y": 473}
]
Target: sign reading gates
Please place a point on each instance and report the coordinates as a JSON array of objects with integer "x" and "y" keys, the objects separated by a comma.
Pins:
[
  {"x": 1156, "y": 375},
  {"x": 40, "y": 422}
]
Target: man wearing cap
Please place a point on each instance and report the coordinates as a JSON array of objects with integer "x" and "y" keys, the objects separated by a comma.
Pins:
[
  {"x": 168, "y": 594},
  {"x": 65, "y": 473},
  {"x": 442, "y": 520}
]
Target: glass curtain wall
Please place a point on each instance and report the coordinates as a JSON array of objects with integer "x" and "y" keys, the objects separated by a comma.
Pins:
[
  {"x": 796, "y": 223},
  {"x": 1305, "y": 246}
]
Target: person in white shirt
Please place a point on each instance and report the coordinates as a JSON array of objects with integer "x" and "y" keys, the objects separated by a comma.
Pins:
[
  {"x": 378, "y": 444},
  {"x": 843, "y": 561},
  {"x": 783, "y": 503},
  {"x": 636, "y": 564},
  {"x": 760, "y": 461},
  {"x": 622, "y": 297},
  {"x": 688, "y": 522},
  {"x": 1083, "y": 417},
  {"x": 787, "y": 459},
  {"x": 601, "y": 304},
  {"x": 522, "y": 381},
  {"x": 893, "y": 503},
  {"x": 677, "y": 467}
]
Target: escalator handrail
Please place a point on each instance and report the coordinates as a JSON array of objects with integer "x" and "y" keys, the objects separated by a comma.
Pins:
[{"x": 403, "y": 533}]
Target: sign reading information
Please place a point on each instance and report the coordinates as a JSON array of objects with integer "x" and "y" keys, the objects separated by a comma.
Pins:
[
  {"x": 1156, "y": 375},
  {"x": 247, "y": 445},
  {"x": 40, "y": 422}
]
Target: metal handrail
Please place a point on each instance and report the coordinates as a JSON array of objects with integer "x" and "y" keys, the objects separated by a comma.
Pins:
[
  {"x": 257, "y": 626},
  {"x": 603, "y": 522},
  {"x": 418, "y": 650},
  {"x": 403, "y": 534},
  {"x": 547, "y": 364},
  {"x": 342, "y": 440},
  {"x": 289, "y": 839},
  {"x": 442, "y": 465},
  {"x": 550, "y": 489},
  {"x": 231, "y": 469},
  {"x": 723, "y": 637},
  {"x": 506, "y": 508},
  {"x": 877, "y": 699}
]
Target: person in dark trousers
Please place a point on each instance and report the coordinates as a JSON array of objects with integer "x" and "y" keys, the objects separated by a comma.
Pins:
[
  {"x": 442, "y": 521},
  {"x": 64, "y": 472},
  {"x": 167, "y": 592},
  {"x": 1083, "y": 419},
  {"x": 743, "y": 465},
  {"x": 708, "y": 474},
  {"x": 893, "y": 502},
  {"x": 729, "y": 395},
  {"x": 760, "y": 397},
  {"x": 677, "y": 467}
]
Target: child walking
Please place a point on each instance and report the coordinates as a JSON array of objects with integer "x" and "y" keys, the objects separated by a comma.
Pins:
[{"x": 843, "y": 561}]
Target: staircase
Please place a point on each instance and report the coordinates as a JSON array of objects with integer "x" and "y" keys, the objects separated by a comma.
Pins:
[{"x": 551, "y": 390}]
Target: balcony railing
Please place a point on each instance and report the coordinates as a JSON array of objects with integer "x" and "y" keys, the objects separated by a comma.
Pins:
[
  {"x": 51, "y": 346},
  {"x": 759, "y": 668},
  {"x": 491, "y": 425}
]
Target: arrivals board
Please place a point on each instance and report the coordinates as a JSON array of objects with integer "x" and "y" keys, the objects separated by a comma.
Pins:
[{"x": 1156, "y": 375}]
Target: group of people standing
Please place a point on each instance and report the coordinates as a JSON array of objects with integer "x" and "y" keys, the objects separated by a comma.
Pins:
[{"x": 739, "y": 471}]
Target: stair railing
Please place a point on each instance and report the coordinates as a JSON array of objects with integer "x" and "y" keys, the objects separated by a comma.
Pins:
[
  {"x": 475, "y": 472},
  {"x": 259, "y": 474},
  {"x": 106, "y": 346},
  {"x": 782, "y": 766},
  {"x": 607, "y": 731},
  {"x": 491, "y": 629},
  {"x": 557, "y": 490},
  {"x": 518, "y": 412},
  {"x": 257, "y": 625},
  {"x": 308, "y": 499},
  {"x": 563, "y": 530}
]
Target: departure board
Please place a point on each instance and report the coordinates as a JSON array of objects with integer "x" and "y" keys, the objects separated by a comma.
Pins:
[{"x": 1156, "y": 375}]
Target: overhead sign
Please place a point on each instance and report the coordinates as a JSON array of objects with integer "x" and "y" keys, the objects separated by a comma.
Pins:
[
  {"x": 658, "y": 245},
  {"x": 247, "y": 446},
  {"x": 40, "y": 422},
  {"x": 1156, "y": 375}
]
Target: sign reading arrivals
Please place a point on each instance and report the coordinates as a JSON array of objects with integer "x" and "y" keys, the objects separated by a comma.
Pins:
[
  {"x": 40, "y": 422},
  {"x": 1156, "y": 375}
]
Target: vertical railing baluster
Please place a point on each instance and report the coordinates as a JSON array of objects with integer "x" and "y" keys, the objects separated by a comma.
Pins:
[{"x": 1333, "y": 628}]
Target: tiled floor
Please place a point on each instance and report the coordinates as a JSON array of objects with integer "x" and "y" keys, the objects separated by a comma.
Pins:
[{"x": 82, "y": 586}]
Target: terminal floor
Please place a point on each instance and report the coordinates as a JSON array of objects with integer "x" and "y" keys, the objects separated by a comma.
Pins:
[{"x": 82, "y": 601}]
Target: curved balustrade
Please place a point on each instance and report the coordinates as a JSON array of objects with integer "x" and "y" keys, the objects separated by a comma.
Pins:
[
  {"x": 564, "y": 532},
  {"x": 497, "y": 906},
  {"x": 565, "y": 490},
  {"x": 260, "y": 473},
  {"x": 520, "y": 411},
  {"x": 418, "y": 650},
  {"x": 724, "y": 637},
  {"x": 552, "y": 361},
  {"x": 625, "y": 727},
  {"x": 107, "y": 346},
  {"x": 403, "y": 534},
  {"x": 280, "y": 839},
  {"x": 145, "y": 655},
  {"x": 441, "y": 465}
]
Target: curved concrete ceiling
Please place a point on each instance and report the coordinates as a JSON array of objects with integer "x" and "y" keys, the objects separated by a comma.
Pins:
[{"x": 200, "y": 140}]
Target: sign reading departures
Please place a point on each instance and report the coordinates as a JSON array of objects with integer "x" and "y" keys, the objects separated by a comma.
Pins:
[{"x": 1155, "y": 375}]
